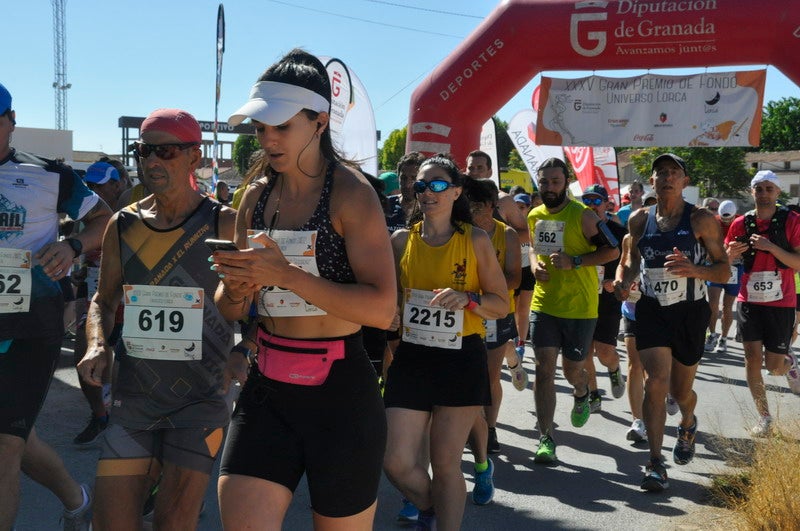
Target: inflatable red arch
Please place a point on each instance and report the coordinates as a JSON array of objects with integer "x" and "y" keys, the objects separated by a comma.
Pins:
[{"x": 521, "y": 38}]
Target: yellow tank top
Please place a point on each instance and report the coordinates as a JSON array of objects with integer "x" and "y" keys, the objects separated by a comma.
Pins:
[
  {"x": 499, "y": 244},
  {"x": 452, "y": 265},
  {"x": 571, "y": 293}
]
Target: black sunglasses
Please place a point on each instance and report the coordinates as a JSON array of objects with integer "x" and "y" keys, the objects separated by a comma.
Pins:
[
  {"x": 436, "y": 186},
  {"x": 596, "y": 201},
  {"x": 162, "y": 151}
]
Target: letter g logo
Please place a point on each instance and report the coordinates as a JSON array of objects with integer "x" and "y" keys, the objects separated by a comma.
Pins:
[{"x": 596, "y": 36}]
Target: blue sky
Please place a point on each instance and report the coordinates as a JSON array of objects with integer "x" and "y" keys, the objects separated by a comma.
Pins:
[{"x": 129, "y": 58}]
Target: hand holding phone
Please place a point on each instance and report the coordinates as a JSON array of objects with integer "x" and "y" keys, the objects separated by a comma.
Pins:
[{"x": 221, "y": 245}]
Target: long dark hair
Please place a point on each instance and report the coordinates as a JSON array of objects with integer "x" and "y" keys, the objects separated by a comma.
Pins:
[
  {"x": 460, "y": 214},
  {"x": 300, "y": 68}
]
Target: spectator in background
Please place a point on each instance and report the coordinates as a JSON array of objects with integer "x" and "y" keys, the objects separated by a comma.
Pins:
[
  {"x": 635, "y": 193},
  {"x": 391, "y": 183},
  {"x": 222, "y": 192}
]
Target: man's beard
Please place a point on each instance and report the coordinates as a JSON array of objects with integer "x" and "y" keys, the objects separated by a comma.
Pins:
[{"x": 549, "y": 202}]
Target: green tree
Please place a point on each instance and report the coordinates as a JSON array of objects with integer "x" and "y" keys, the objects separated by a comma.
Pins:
[
  {"x": 243, "y": 147},
  {"x": 515, "y": 161},
  {"x": 779, "y": 125},
  {"x": 717, "y": 172},
  {"x": 504, "y": 143},
  {"x": 394, "y": 147}
]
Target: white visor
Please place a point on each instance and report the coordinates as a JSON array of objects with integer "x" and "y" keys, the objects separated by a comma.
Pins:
[{"x": 274, "y": 103}]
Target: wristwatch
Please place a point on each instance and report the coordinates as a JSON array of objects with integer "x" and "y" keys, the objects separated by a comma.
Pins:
[
  {"x": 77, "y": 246},
  {"x": 577, "y": 261}
]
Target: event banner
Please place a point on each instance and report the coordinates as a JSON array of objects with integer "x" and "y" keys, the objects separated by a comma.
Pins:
[
  {"x": 710, "y": 109},
  {"x": 596, "y": 165},
  {"x": 488, "y": 145},
  {"x": 522, "y": 131}
]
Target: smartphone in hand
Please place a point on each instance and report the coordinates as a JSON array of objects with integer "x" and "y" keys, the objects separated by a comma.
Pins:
[{"x": 221, "y": 245}]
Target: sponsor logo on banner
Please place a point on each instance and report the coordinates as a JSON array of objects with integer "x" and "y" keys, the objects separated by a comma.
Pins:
[{"x": 709, "y": 109}]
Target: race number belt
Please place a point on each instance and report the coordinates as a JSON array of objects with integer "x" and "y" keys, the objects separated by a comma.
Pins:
[
  {"x": 15, "y": 280},
  {"x": 669, "y": 289},
  {"x": 548, "y": 236},
  {"x": 163, "y": 322},
  {"x": 299, "y": 247},
  {"x": 764, "y": 286},
  {"x": 428, "y": 325}
]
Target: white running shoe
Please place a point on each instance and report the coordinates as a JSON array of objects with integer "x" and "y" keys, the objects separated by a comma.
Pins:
[
  {"x": 672, "y": 406},
  {"x": 711, "y": 342},
  {"x": 722, "y": 346},
  {"x": 637, "y": 431},
  {"x": 763, "y": 428},
  {"x": 793, "y": 376}
]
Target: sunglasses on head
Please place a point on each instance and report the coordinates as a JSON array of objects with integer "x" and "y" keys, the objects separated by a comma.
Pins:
[
  {"x": 596, "y": 201},
  {"x": 162, "y": 151},
  {"x": 436, "y": 186}
]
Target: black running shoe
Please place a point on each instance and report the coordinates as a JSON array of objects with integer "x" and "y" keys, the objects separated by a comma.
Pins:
[
  {"x": 683, "y": 452},
  {"x": 655, "y": 477}
]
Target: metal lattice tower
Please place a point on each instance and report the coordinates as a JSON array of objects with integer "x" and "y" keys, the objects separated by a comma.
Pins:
[{"x": 60, "y": 55}]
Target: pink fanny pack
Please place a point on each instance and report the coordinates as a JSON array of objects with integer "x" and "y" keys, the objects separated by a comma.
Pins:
[{"x": 297, "y": 361}]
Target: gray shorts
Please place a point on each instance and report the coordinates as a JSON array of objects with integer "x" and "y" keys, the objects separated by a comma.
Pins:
[
  {"x": 131, "y": 452},
  {"x": 572, "y": 336}
]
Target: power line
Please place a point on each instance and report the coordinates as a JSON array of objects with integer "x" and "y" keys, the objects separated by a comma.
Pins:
[
  {"x": 366, "y": 20},
  {"x": 425, "y": 9}
]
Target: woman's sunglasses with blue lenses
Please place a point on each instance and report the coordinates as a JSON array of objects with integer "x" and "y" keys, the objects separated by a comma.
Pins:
[
  {"x": 436, "y": 186},
  {"x": 596, "y": 201}
]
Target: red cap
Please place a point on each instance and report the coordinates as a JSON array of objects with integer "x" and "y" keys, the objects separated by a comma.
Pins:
[{"x": 176, "y": 122}]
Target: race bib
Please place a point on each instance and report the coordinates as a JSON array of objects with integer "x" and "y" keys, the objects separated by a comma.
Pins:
[
  {"x": 163, "y": 322},
  {"x": 764, "y": 286},
  {"x": 669, "y": 289},
  {"x": 634, "y": 294},
  {"x": 548, "y": 237},
  {"x": 300, "y": 248},
  {"x": 491, "y": 330},
  {"x": 525, "y": 254},
  {"x": 430, "y": 326},
  {"x": 601, "y": 271},
  {"x": 15, "y": 280},
  {"x": 92, "y": 278}
]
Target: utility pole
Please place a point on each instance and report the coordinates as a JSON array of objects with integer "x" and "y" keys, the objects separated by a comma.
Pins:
[{"x": 60, "y": 55}]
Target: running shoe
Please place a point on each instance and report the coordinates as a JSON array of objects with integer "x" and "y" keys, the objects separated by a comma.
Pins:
[
  {"x": 520, "y": 349},
  {"x": 483, "y": 492},
  {"x": 493, "y": 447},
  {"x": 518, "y": 376},
  {"x": 763, "y": 428},
  {"x": 617, "y": 383},
  {"x": 595, "y": 402},
  {"x": 637, "y": 431},
  {"x": 683, "y": 452},
  {"x": 672, "y": 405},
  {"x": 722, "y": 346},
  {"x": 92, "y": 431},
  {"x": 793, "y": 376},
  {"x": 655, "y": 476},
  {"x": 409, "y": 513},
  {"x": 546, "y": 452},
  {"x": 711, "y": 342},
  {"x": 425, "y": 522},
  {"x": 81, "y": 518},
  {"x": 580, "y": 411}
]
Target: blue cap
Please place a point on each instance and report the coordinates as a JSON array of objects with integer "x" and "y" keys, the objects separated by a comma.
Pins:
[
  {"x": 101, "y": 173},
  {"x": 525, "y": 199},
  {"x": 5, "y": 99},
  {"x": 596, "y": 189}
]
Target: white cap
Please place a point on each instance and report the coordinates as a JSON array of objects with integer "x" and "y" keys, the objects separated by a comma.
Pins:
[
  {"x": 763, "y": 176},
  {"x": 727, "y": 209},
  {"x": 274, "y": 103}
]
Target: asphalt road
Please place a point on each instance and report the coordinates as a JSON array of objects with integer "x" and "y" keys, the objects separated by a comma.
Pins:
[{"x": 595, "y": 485}]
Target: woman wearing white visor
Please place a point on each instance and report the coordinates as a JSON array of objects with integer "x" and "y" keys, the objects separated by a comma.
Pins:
[{"x": 314, "y": 265}]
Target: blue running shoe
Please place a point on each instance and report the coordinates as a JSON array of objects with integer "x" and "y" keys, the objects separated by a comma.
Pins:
[
  {"x": 483, "y": 492},
  {"x": 409, "y": 513}
]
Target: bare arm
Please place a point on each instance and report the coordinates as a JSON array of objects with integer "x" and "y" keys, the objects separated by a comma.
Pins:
[
  {"x": 707, "y": 229},
  {"x": 513, "y": 263},
  {"x": 630, "y": 263},
  {"x": 602, "y": 255}
]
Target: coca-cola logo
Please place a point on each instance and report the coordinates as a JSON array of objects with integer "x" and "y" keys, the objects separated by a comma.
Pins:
[{"x": 649, "y": 137}]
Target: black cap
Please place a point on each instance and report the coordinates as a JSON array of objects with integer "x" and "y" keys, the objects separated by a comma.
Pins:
[
  {"x": 671, "y": 156},
  {"x": 596, "y": 189}
]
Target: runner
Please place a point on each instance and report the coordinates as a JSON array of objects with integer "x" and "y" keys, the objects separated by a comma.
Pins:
[
  {"x": 676, "y": 246},
  {"x": 168, "y": 411},
  {"x": 450, "y": 281},
  {"x": 34, "y": 192},
  {"x": 311, "y": 404}
]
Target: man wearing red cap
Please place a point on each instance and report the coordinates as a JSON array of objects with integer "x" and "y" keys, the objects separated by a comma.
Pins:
[
  {"x": 169, "y": 409},
  {"x": 34, "y": 192}
]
